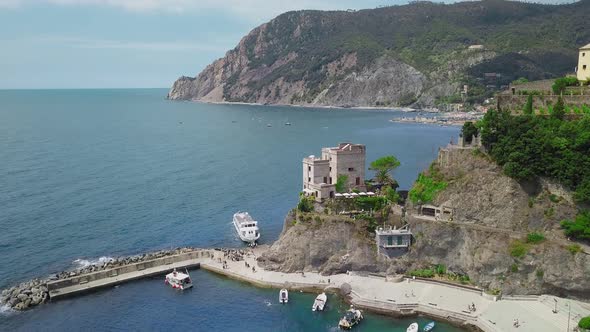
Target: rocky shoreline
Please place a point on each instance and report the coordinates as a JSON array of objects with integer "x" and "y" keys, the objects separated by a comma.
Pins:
[{"x": 34, "y": 292}]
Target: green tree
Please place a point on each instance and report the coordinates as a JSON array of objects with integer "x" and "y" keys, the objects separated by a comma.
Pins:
[
  {"x": 528, "y": 107},
  {"x": 558, "y": 109},
  {"x": 391, "y": 194},
  {"x": 383, "y": 167},
  {"x": 341, "y": 183},
  {"x": 468, "y": 131}
]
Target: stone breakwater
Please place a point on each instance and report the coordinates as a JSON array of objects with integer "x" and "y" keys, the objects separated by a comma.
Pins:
[{"x": 31, "y": 293}]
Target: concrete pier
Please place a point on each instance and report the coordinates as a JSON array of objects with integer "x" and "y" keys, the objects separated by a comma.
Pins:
[{"x": 111, "y": 277}]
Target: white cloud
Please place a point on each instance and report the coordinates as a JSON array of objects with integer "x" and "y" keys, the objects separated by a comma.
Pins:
[{"x": 253, "y": 9}]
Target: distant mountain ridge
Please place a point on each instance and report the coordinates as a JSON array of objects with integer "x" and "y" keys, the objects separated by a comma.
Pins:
[{"x": 416, "y": 54}]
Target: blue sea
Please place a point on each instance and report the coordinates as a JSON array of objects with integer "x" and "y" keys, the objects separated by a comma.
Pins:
[{"x": 86, "y": 174}]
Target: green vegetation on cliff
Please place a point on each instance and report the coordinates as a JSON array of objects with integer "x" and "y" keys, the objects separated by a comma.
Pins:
[
  {"x": 427, "y": 186},
  {"x": 579, "y": 227},
  {"x": 528, "y": 147}
]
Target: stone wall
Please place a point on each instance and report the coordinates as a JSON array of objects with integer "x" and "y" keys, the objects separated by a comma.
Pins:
[{"x": 515, "y": 103}]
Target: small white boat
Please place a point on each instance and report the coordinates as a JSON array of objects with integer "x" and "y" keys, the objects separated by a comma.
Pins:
[
  {"x": 179, "y": 280},
  {"x": 320, "y": 302},
  {"x": 428, "y": 327},
  {"x": 284, "y": 296},
  {"x": 246, "y": 227},
  {"x": 412, "y": 328},
  {"x": 287, "y": 123},
  {"x": 351, "y": 318}
]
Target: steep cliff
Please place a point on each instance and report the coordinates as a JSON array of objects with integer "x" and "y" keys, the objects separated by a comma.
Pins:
[
  {"x": 486, "y": 240},
  {"x": 416, "y": 54}
]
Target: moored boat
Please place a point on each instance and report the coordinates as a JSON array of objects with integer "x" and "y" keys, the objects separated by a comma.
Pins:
[
  {"x": 429, "y": 327},
  {"x": 320, "y": 302},
  {"x": 351, "y": 318},
  {"x": 179, "y": 280},
  {"x": 412, "y": 328},
  {"x": 284, "y": 296},
  {"x": 246, "y": 227}
]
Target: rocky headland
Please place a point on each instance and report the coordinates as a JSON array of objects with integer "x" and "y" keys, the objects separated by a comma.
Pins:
[
  {"x": 486, "y": 239},
  {"x": 420, "y": 55}
]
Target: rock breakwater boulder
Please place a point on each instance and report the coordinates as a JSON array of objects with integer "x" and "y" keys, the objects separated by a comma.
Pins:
[{"x": 32, "y": 293}]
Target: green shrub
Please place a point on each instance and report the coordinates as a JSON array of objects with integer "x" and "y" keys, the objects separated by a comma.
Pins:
[
  {"x": 518, "y": 249},
  {"x": 440, "y": 269},
  {"x": 424, "y": 273},
  {"x": 554, "y": 198},
  {"x": 535, "y": 238},
  {"x": 584, "y": 323},
  {"x": 468, "y": 131},
  {"x": 305, "y": 204},
  {"x": 578, "y": 228},
  {"x": 574, "y": 248},
  {"x": 531, "y": 202},
  {"x": 561, "y": 83},
  {"x": 514, "y": 268},
  {"x": 427, "y": 187},
  {"x": 549, "y": 212},
  {"x": 540, "y": 273},
  {"x": 528, "y": 107},
  {"x": 368, "y": 203},
  {"x": 318, "y": 219}
]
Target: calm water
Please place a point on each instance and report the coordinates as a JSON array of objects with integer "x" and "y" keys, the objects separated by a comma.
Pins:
[{"x": 91, "y": 173}]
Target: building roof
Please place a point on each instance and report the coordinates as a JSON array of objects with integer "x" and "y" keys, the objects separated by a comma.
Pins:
[{"x": 587, "y": 47}]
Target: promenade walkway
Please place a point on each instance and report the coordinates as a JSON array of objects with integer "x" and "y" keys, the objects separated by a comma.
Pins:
[{"x": 533, "y": 313}]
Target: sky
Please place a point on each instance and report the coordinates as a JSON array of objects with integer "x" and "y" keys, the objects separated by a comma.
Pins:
[{"x": 57, "y": 44}]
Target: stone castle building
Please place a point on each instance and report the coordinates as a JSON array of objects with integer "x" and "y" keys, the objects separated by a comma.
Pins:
[
  {"x": 583, "y": 72},
  {"x": 321, "y": 174}
]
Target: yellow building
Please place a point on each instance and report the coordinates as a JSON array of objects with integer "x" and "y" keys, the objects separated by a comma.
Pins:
[{"x": 584, "y": 63}]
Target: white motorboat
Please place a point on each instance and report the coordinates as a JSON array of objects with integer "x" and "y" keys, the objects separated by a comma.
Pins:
[
  {"x": 320, "y": 302},
  {"x": 412, "y": 328},
  {"x": 284, "y": 296},
  {"x": 179, "y": 280},
  {"x": 351, "y": 318},
  {"x": 246, "y": 227}
]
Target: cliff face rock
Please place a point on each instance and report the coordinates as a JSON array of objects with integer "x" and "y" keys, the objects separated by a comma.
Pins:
[
  {"x": 416, "y": 54},
  {"x": 322, "y": 244},
  {"x": 492, "y": 215}
]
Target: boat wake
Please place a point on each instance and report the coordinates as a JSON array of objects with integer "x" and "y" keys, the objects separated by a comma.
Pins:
[
  {"x": 82, "y": 263},
  {"x": 268, "y": 303}
]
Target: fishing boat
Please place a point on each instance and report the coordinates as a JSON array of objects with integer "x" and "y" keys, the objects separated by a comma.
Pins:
[
  {"x": 351, "y": 318},
  {"x": 429, "y": 327},
  {"x": 412, "y": 328},
  {"x": 246, "y": 227},
  {"x": 284, "y": 296},
  {"x": 320, "y": 302},
  {"x": 287, "y": 123},
  {"x": 179, "y": 280}
]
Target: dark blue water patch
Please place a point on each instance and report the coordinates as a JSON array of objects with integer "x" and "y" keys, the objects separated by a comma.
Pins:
[{"x": 91, "y": 173}]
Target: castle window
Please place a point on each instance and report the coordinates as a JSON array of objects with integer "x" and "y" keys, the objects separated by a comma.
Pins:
[
  {"x": 309, "y": 168},
  {"x": 325, "y": 179},
  {"x": 584, "y": 67},
  {"x": 358, "y": 181},
  {"x": 583, "y": 54},
  {"x": 330, "y": 180},
  {"x": 308, "y": 179},
  {"x": 350, "y": 169}
]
